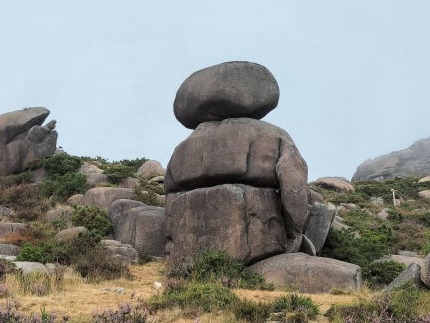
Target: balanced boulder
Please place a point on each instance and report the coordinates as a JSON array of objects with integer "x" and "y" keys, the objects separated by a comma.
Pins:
[{"x": 227, "y": 90}]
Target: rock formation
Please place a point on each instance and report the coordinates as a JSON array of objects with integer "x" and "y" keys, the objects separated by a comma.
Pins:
[
  {"x": 24, "y": 140},
  {"x": 412, "y": 161},
  {"x": 236, "y": 183}
]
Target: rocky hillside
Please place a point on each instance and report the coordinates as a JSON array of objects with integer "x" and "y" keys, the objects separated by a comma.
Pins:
[{"x": 412, "y": 161}]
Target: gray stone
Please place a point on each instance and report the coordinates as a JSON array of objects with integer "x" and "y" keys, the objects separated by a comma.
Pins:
[
  {"x": 424, "y": 179},
  {"x": 425, "y": 271},
  {"x": 124, "y": 253},
  {"x": 411, "y": 274},
  {"x": 246, "y": 222},
  {"x": 142, "y": 226},
  {"x": 307, "y": 246},
  {"x": 227, "y": 90},
  {"x": 338, "y": 184},
  {"x": 129, "y": 182},
  {"x": 157, "y": 179},
  {"x": 105, "y": 196},
  {"x": 320, "y": 218},
  {"x": 309, "y": 274},
  {"x": 314, "y": 197},
  {"x": 8, "y": 228},
  {"x": 70, "y": 233},
  {"x": 9, "y": 249},
  {"x": 28, "y": 267},
  {"x": 383, "y": 215},
  {"x": 75, "y": 199},
  {"x": 61, "y": 213},
  {"x": 412, "y": 161},
  {"x": 424, "y": 194},
  {"x": 93, "y": 174},
  {"x": 406, "y": 260},
  {"x": 151, "y": 169},
  {"x": 23, "y": 140}
]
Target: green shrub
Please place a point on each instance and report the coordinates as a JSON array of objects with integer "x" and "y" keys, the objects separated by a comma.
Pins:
[
  {"x": 97, "y": 265},
  {"x": 61, "y": 164},
  {"x": 117, "y": 172},
  {"x": 93, "y": 218},
  {"x": 134, "y": 163},
  {"x": 218, "y": 267},
  {"x": 45, "y": 252},
  {"x": 194, "y": 297},
  {"x": 62, "y": 187},
  {"x": 147, "y": 192},
  {"x": 249, "y": 311},
  {"x": 380, "y": 273}
]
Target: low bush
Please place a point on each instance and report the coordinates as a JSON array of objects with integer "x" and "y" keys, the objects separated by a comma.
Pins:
[
  {"x": 94, "y": 218},
  {"x": 126, "y": 313},
  {"x": 64, "y": 186},
  {"x": 11, "y": 313},
  {"x": 380, "y": 273},
  {"x": 44, "y": 252},
  {"x": 61, "y": 164},
  {"x": 117, "y": 172}
]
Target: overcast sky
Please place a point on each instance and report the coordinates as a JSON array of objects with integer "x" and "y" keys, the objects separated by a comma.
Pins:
[{"x": 354, "y": 75}]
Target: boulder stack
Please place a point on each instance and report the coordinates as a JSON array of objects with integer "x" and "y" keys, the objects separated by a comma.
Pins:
[{"x": 236, "y": 183}]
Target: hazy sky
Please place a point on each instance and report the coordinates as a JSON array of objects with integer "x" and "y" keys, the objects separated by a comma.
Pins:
[{"x": 354, "y": 75}]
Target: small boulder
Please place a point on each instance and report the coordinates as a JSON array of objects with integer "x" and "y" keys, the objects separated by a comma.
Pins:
[
  {"x": 70, "y": 233},
  {"x": 105, "y": 196},
  {"x": 75, "y": 199},
  {"x": 424, "y": 194},
  {"x": 8, "y": 228},
  {"x": 425, "y": 271},
  {"x": 61, "y": 213},
  {"x": 151, "y": 169},
  {"x": 424, "y": 179},
  {"x": 338, "y": 184},
  {"x": 314, "y": 197},
  {"x": 9, "y": 249},
  {"x": 227, "y": 90},
  {"x": 93, "y": 174},
  {"x": 28, "y": 267},
  {"x": 124, "y": 253},
  {"x": 309, "y": 274},
  {"x": 383, "y": 215},
  {"x": 320, "y": 218},
  {"x": 410, "y": 274}
]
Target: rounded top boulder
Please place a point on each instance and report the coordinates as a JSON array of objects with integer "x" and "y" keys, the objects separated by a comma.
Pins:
[{"x": 227, "y": 90}]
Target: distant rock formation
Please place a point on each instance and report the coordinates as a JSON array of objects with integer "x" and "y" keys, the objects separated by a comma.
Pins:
[
  {"x": 24, "y": 140},
  {"x": 412, "y": 161}
]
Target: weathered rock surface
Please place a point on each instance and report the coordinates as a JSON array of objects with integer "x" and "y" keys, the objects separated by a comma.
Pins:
[
  {"x": 70, "y": 233},
  {"x": 338, "y": 184},
  {"x": 227, "y": 90},
  {"x": 246, "y": 222},
  {"x": 9, "y": 249},
  {"x": 425, "y": 271},
  {"x": 75, "y": 199},
  {"x": 320, "y": 218},
  {"x": 424, "y": 194},
  {"x": 412, "y": 161},
  {"x": 93, "y": 174},
  {"x": 140, "y": 225},
  {"x": 124, "y": 253},
  {"x": 105, "y": 196},
  {"x": 151, "y": 169},
  {"x": 24, "y": 140},
  {"x": 8, "y": 228},
  {"x": 28, "y": 267},
  {"x": 309, "y": 274},
  {"x": 411, "y": 274},
  {"x": 407, "y": 260},
  {"x": 61, "y": 213},
  {"x": 6, "y": 213}
]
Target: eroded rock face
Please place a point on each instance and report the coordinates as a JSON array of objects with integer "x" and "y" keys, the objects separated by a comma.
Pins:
[
  {"x": 23, "y": 139},
  {"x": 245, "y": 221},
  {"x": 227, "y": 90},
  {"x": 309, "y": 274},
  {"x": 142, "y": 226},
  {"x": 412, "y": 161}
]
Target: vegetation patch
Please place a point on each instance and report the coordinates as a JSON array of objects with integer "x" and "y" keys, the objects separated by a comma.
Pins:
[{"x": 94, "y": 218}]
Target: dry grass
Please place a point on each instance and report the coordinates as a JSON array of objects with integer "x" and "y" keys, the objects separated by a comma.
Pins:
[{"x": 79, "y": 299}]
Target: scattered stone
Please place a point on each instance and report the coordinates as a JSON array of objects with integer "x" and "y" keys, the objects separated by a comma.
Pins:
[
  {"x": 410, "y": 274},
  {"x": 140, "y": 225},
  {"x": 424, "y": 194},
  {"x": 70, "y": 233},
  {"x": 9, "y": 249},
  {"x": 309, "y": 274},
  {"x": 23, "y": 140},
  {"x": 227, "y": 90},
  {"x": 124, "y": 253},
  {"x": 151, "y": 169},
  {"x": 338, "y": 184},
  {"x": 105, "y": 196},
  {"x": 28, "y": 267},
  {"x": 383, "y": 215},
  {"x": 320, "y": 218}
]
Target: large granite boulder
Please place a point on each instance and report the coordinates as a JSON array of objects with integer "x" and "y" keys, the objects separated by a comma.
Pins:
[
  {"x": 140, "y": 225},
  {"x": 227, "y": 90},
  {"x": 245, "y": 221},
  {"x": 93, "y": 174},
  {"x": 412, "y": 274},
  {"x": 309, "y": 274},
  {"x": 105, "y": 196},
  {"x": 151, "y": 169},
  {"x": 122, "y": 252},
  {"x": 338, "y": 184},
  {"x": 412, "y": 161},
  {"x": 24, "y": 140}
]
